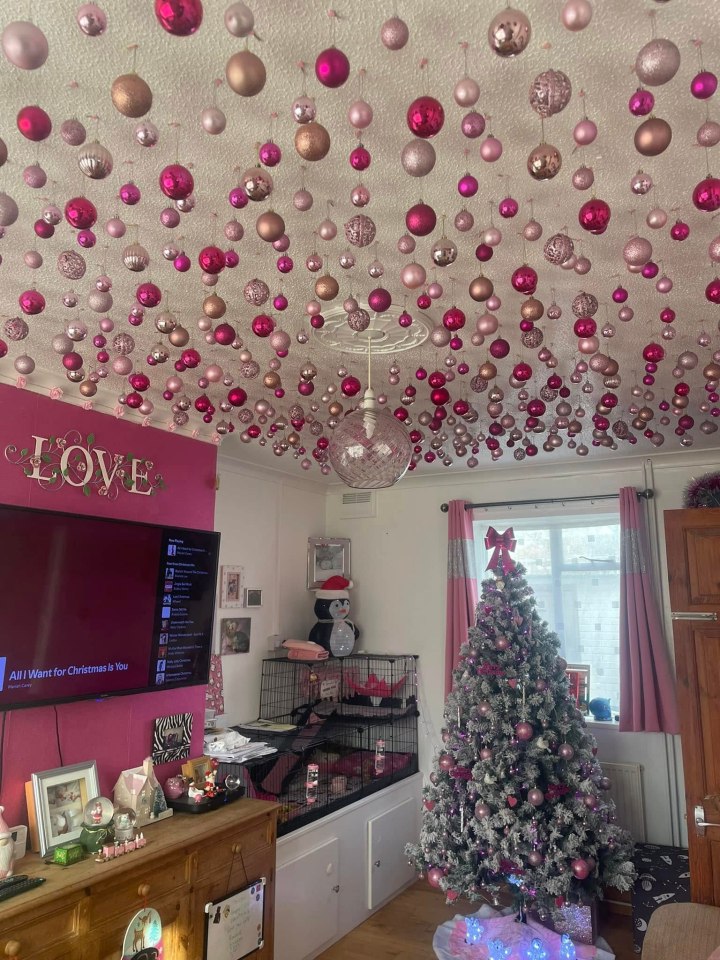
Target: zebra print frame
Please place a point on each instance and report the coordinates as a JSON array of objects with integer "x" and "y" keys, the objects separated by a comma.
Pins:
[{"x": 171, "y": 737}]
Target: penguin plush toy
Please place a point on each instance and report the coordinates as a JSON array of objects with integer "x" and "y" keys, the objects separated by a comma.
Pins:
[{"x": 333, "y": 630}]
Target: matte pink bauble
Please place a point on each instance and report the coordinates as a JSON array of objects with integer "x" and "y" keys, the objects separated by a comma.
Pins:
[
  {"x": 24, "y": 45},
  {"x": 641, "y": 103},
  {"x": 657, "y": 62},
  {"x": 664, "y": 285},
  {"x": 524, "y": 279},
  {"x": 466, "y": 92},
  {"x": 656, "y": 218},
  {"x": 703, "y": 85},
  {"x": 394, "y": 33},
  {"x": 176, "y": 182},
  {"x": 706, "y": 195},
  {"x": 181, "y": 18},
  {"x": 332, "y": 67},
  {"x": 360, "y": 114},
  {"x": 472, "y": 125},
  {"x": 169, "y": 217},
  {"x": 80, "y": 213},
  {"x": 499, "y": 348},
  {"x": 491, "y": 149},
  {"x": 379, "y": 300},
  {"x": 523, "y": 730},
  {"x": 33, "y": 123},
  {"x": 213, "y": 121},
  {"x": 43, "y": 230},
  {"x": 420, "y": 219},
  {"x": 413, "y": 275},
  {"x": 8, "y": 210},
  {"x": 594, "y": 216},
  {"x": 585, "y": 132},
  {"x": 425, "y": 117},
  {"x": 708, "y": 134},
  {"x": 576, "y": 15}
]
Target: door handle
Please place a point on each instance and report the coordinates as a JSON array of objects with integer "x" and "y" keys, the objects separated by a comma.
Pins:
[
  {"x": 336, "y": 888},
  {"x": 707, "y": 617},
  {"x": 700, "y": 822}
]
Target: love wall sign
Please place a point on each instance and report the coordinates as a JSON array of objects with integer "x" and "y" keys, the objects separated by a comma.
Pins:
[{"x": 79, "y": 462}]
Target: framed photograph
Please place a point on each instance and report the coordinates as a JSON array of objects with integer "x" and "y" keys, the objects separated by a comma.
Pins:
[
  {"x": 578, "y": 675},
  {"x": 231, "y": 587},
  {"x": 252, "y": 597},
  {"x": 58, "y": 798},
  {"x": 197, "y": 769},
  {"x": 234, "y": 635},
  {"x": 171, "y": 737},
  {"x": 327, "y": 557}
]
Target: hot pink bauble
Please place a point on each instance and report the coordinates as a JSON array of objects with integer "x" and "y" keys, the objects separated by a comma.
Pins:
[
  {"x": 80, "y": 213},
  {"x": 425, "y": 117},
  {"x": 703, "y": 85},
  {"x": 712, "y": 291},
  {"x": 580, "y": 868},
  {"x": 467, "y": 186},
  {"x": 263, "y": 325},
  {"x": 270, "y": 154},
  {"x": 524, "y": 279},
  {"x": 679, "y": 230},
  {"x": 332, "y": 67},
  {"x": 179, "y": 17},
  {"x": 594, "y": 216},
  {"x": 706, "y": 195},
  {"x": 211, "y": 259},
  {"x": 508, "y": 207},
  {"x": 129, "y": 193},
  {"x": 31, "y": 302},
  {"x": 176, "y": 181},
  {"x": 34, "y": 124},
  {"x": 641, "y": 103},
  {"x": 420, "y": 219},
  {"x": 360, "y": 158},
  {"x": 453, "y": 319},
  {"x": 169, "y": 217},
  {"x": 499, "y": 348},
  {"x": 379, "y": 300},
  {"x": 225, "y": 335},
  {"x": 148, "y": 294}
]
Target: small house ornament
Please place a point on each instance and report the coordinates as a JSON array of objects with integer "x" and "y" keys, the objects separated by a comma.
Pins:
[{"x": 139, "y": 790}]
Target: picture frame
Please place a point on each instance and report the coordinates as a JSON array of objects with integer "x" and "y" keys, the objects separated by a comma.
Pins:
[
  {"x": 56, "y": 801},
  {"x": 234, "y": 635},
  {"x": 231, "y": 595},
  {"x": 171, "y": 737},
  {"x": 252, "y": 597},
  {"x": 578, "y": 675},
  {"x": 327, "y": 557},
  {"x": 197, "y": 769}
]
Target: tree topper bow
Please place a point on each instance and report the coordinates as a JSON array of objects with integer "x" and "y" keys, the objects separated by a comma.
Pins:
[{"x": 501, "y": 544}]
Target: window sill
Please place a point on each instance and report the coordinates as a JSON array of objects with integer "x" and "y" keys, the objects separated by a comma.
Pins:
[{"x": 595, "y": 724}]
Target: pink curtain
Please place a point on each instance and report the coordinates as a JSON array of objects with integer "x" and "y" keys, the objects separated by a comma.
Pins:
[
  {"x": 647, "y": 687},
  {"x": 461, "y": 584}
]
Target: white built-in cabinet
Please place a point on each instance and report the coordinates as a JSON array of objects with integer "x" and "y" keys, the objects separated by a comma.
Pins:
[{"x": 333, "y": 874}]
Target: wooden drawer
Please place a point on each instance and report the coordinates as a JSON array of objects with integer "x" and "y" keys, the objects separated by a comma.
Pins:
[
  {"x": 229, "y": 852},
  {"x": 174, "y": 913},
  {"x": 49, "y": 933},
  {"x": 131, "y": 893}
]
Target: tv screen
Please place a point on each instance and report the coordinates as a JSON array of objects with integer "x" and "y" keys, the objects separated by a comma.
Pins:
[{"x": 91, "y": 607}]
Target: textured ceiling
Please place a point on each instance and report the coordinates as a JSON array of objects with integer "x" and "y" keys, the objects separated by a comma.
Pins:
[{"x": 183, "y": 73}]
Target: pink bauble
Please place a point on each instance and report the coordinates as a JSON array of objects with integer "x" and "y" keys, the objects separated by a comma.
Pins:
[
  {"x": 467, "y": 186},
  {"x": 394, "y": 33},
  {"x": 360, "y": 158},
  {"x": 73, "y": 132},
  {"x": 499, "y": 349},
  {"x": 43, "y": 230},
  {"x": 679, "y": 231},
  {"x": 486, "y": 324},
  {"x": 576, "y": 15},
  {"x": 472, "y": 125},
  {"x": 34, "y": 176},
  {"x": 446, "y": 761},
  {"x": 413, "y": 275},
  {"x": 86, "y": 239},
  {"x": 650, "y": 270},
  {"x": 211, "y": 259},
  {"x": 418, "y": 158},
  {"x": 213, "y": 121},
  {"x": 583, "y": 178},
  {"x": 585, "y": 132},
  {"x": 566, "y": 751},
  {"x": 72, "y": 361},
  {"x": 656, "y": 218},
  {"x": 466, "y": 92},
  {"x": 176, "y": 182},
  {"x": 420, "y": 219},
  {"x": 360, "y": 114},
  {"x": 169, "y": 217},
  {"x": 129, "y": 193},
  {"x": 263, "y": 325},
  {"x": 706, "y": 195},
  {"x": 148, "y": 294},
  {"x": 524, "y": 279},
  {"x": 233, "y": 231},
  {"x": 464, "y": 221},
  {"x": 8, "y": 210},
  {"x": 33, "y": 123},
  {"x": 491, "y": 149},
  {"x": 703, "y": 85},
  {"x": 425, "y": 117},
  {"x": 406, "y": 244},
  {"x": 508, "y": 207},
  {"x": 80, "y": 213},
  {"x": 24, "y": 45},
  {"x": 594, "y": 216},
  {"x": 270, "y": 154},
  {"x": 637, "y": 251},
  {"x": 712, "y": 291},
  {"x": 714, "y": 250},
  {"x": 536, "y": 797},
  {"x": 91, "y": 20},
  {"x": 641, "y": 103},
  {"x": 493, "y": 303},
  {"x": 379, "y": 300},
  {"x": 434, "y": 876},
  {"x": 285, "y": 264},
  {"x": 179, "y": 17},
  {"x": 231, "y": 258},
  {"x": 523, "y": 730},
  {"x": 332, "y": 67},
  {"x": 708, "y": 134},
  {"x": 657, "y": 62},
  {"x": 580, "y": 868}
]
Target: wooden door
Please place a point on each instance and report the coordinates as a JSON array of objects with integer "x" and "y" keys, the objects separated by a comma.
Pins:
[{"x": 693, "y": 556}]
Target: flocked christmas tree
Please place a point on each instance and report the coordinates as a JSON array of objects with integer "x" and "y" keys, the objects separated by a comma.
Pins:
[{"x": 517, "y": 800}]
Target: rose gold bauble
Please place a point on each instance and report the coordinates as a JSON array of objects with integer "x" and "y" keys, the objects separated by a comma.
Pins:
[
  {"x": 326, "y": 288},
  {"x": 583, "y": 178},
  {"x": 714, "y": 250},
  {"x": 652, "y": 137},
  {"x": 637, "y": 251},
  {"x": 214, "y": 306},
  {"x": 544, "y": 162},
  {"x": 413, "y": 275},
  {"x": 394, "y": 33},
  {"x": 440, "y": 337},
  {"x": 466, "y": 92},
  {"x": 576, "y": 14},
  {"x": 131, "y": 96},
  {"x": 532, "y": 309},
  {"x": 708, "y": 134},
  {"x": 245, "y": 73},
  {"x": 550, "y": 93},
  {"x": 270, "y": 226},
  {"x": 487, "y": 370},
  {"x": 481, "y": 288},
  {"x": 532, "y": 230},
  {"x": 657, "y": 62},
  {"x": 487, "y": 324},
  {"x": 179, "y": 337},
  {"x": 312, "y": 141},
  {"x": 88, "y": 388},
  {"x": 418, "y": 157},
  {"x": 656, "y": 218}
]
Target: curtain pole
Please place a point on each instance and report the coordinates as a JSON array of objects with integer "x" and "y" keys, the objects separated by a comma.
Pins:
[{"x": 646, "y": 494}]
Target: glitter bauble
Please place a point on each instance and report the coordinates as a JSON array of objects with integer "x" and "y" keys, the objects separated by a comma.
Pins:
[
  {"x": 652, "y": 137},
  {"x": 131, "y": 96},
  {"x": 584, "y": 305},
  {"x": 16, "y": 329},
  {"x": 558, "y": 249},
  {"x": 418, "y": 158},
  {"x": 550, "y": 93},
  {"x": 708, "y": 134},
  {"x": 531, "y": 231},
  {"x": 71, "y": 265},
  {"x": 8, "y": 210},
  {"x": 181, "y": 18},
  {"x": 420, "y": 219},
  {"x": 425, "y": 117},
  {"x": 657, "y": 62},
  {"x": 95, "y": 161},
  {"x": 637, "y": 251},
  {"x": 358, "y": 320},
  {"x": 312, "y": 141},
  {"x": 544, "y": 162},
  {"x": 464, "y": 221},
  {"x": 360, "y": 230},
  {"x": 583, "y": 178},
  {"x": 394, "y": 33},
  {"x": 256, "y": 292},
  {"x": 332, "y": 67},
  {"x": 245, "y": 73},
  {"x": 326, "y": 288},
  {"x": 73, "y": 132},
  {"x": 509, "y": 33},
  {"x": 472, "y": 125}
]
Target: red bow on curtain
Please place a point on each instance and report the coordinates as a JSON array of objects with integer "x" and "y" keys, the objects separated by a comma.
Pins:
[{"x": 501, "y": 544}]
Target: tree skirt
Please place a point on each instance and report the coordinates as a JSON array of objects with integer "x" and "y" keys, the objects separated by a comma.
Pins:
[{"x": 449, "y": 940}]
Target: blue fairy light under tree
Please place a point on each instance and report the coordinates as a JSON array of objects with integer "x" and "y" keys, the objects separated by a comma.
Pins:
[{"x": 517, "y": 800}]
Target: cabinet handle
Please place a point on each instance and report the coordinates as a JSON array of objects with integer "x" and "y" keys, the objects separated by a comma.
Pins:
[
  {"x": 12, "y": 948},
  {"x": 237, "y": 848},
  {"x": 144, "y": 890},
  {"x": 377, "y": 863},
  {"x": 336, "y": 888}
]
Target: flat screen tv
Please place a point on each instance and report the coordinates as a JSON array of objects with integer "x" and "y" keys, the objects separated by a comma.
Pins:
[{"x": 93, "y": 608}]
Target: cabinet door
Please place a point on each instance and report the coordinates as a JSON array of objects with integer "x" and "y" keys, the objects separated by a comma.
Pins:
[
  {"x": 388, "y": 867},
  {"x": 306, "y": 902}
]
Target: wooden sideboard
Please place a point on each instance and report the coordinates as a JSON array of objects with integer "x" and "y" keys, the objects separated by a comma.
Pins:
[{"x": 81, "y": 912}]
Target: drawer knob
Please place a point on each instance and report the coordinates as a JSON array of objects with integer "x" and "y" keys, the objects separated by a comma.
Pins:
[
  {"x": 336, "y": 888},
  {"x": 237, "y": 848},
  {"x": 144, "y": 890},
  {"x": 12, "y": 948}
]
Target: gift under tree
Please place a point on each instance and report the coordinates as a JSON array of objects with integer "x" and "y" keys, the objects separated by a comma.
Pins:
[{"x": 517, "y": 800}]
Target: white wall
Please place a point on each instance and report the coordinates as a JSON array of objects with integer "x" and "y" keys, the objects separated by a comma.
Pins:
[
  {"x": 265, "y": 519},
  {"x": 399, "y": 569}
]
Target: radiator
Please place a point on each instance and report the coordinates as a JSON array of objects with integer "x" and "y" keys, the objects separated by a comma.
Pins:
[{"x": 627, "y": 793}]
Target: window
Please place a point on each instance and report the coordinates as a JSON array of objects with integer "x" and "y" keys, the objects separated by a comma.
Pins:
[{"x": 572, "y": 563}]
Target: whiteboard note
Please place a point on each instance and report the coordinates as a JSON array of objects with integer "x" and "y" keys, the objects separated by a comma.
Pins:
[{"x": 234, "y": 925}]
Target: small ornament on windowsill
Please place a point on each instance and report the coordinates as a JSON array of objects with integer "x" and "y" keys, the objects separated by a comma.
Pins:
[{"x": 703, "y": 491}]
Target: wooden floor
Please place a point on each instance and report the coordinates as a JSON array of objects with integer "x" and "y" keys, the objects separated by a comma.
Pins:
[{"x": 404, "y": 929}]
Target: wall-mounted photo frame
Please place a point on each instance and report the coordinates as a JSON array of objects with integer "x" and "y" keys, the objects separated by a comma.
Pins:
[
  {"x": 234, "y": 635},
  {"x": 171, "y": 737},
  {"x": 327, "y": 557},
  {"x": 56, "y": 801},
  {"x": 231, "y": 579},
  {"x": 252, "y": 597}
]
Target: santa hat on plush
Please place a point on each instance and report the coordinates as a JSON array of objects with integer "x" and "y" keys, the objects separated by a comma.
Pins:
[{"x": 334, "y": 588}]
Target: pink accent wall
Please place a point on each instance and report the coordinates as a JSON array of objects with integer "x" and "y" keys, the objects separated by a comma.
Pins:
[{"x": 117, "y": 733}]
